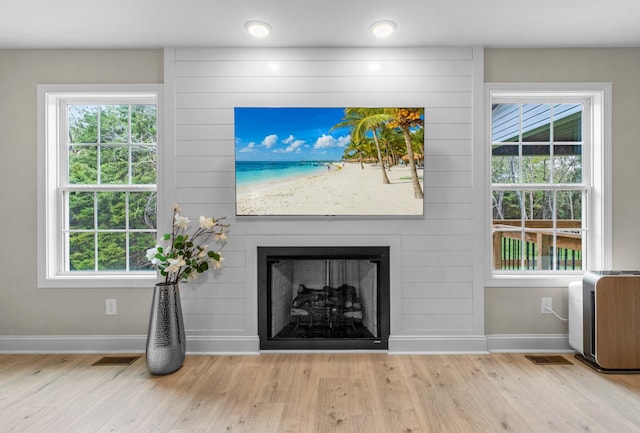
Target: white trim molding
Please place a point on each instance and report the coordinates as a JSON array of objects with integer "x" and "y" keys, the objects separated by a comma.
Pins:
[
  {"x": 51, "y": 344},
  {"x": 52, "y": 269},
  {"x": 529, "y": 343},
  {"x": 437, "y": 344},
  {"x": 223, "y": 345},
  {"x": 598, "y": 165},
  {"x": 86, "y": 344},
  {"x": 249, "y": 345}
]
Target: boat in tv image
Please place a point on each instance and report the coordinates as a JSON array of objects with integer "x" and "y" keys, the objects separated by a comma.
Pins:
[{"x": 353, "y": 161}]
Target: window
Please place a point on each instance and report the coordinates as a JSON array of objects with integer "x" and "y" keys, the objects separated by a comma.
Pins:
[
  {"x": 548, "y": 180},
  {"x": 98, "y": 186}
]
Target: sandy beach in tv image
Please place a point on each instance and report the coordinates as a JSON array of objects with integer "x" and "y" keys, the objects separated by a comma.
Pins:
[{"x": 329, "y": 161}]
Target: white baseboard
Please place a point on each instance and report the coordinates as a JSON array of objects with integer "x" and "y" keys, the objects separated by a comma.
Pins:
[
  {"x": 447, "y": 344},
  {"x": 72, "y": 343},
  {"x": 437, "y": 344},
  {"x": 529, "y": 343},
  {"x": 224, "y": 345},
  {"x": 121, "y": 344}
]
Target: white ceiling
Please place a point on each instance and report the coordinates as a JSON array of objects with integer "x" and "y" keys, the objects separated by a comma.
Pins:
[{"x": 318, "y": 23}]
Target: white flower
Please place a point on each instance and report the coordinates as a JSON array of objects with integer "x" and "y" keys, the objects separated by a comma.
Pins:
[
  {"x": 177, "y": 208},
  {"x": 171, "y": 250},
  {"x": 204, "y": 252},
  {"x": 182, "y": 222},
  {"x": 175, "y": 264},
  {"x": 151, "y": 255},
  {"x": 217, "y": 264},
  {"x": 206, "y": 223}
]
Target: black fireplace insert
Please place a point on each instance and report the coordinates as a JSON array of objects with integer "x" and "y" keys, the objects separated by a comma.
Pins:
[{"x": 323, "y": 298}]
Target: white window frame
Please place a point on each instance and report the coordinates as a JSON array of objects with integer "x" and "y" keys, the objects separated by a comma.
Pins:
[
  {"x": 50, "y": 205},
  {"x": 597, "y": 165}
]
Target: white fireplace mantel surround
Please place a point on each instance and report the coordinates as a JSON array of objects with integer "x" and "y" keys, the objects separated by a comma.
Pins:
[{"x": 397, "y": 342}]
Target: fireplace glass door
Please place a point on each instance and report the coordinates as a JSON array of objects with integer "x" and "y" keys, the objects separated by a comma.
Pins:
[{"x": 325, "y": 299}]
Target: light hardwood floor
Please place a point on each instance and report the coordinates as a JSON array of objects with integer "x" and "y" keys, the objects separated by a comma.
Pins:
[{"x": 322, "y": 392}]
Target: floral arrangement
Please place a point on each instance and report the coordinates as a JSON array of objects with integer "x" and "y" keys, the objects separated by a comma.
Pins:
[{"x": 180, "y": 256}]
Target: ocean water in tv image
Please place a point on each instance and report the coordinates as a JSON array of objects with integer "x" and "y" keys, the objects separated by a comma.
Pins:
[{"x": 254, "y": 172}]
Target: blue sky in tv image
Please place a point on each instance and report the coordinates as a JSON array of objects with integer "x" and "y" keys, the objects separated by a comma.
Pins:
[{"x": 289, "y": 134}]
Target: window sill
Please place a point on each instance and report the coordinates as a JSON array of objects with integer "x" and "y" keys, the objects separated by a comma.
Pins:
[
  {"x": 98, "y": 281},
  {"x": 533, "y": 280}
]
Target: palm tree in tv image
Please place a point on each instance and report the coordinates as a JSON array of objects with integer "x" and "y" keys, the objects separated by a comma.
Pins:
[
  {"x": 406, "y": 119},
  {"x": 389, "y": 127},
  {"x": 358, "y": 150},
  {"x": 363, "y": 121},
  {"x": 392, "y": 142}
]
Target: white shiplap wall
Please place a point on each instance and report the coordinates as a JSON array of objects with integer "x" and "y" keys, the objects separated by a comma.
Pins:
[{"x": 435, "y": 306}]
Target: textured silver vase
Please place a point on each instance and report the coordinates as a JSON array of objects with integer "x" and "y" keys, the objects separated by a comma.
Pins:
[{"x": 166, "y": 344}]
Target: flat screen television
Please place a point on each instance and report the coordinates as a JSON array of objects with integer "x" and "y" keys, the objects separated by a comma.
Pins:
[{"x": 337, "y": 161}]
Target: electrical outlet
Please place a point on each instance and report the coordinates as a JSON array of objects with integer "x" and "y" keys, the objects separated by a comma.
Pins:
[
  {"x": 111, "y": 307},
  {"x": 546, "y": 305}
]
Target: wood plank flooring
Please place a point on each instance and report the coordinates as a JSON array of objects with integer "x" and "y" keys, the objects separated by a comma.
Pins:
[{"x": 315, "y": 393}]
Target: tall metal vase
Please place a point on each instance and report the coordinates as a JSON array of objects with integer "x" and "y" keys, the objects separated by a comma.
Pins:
[{"x": 166, "y": 344}]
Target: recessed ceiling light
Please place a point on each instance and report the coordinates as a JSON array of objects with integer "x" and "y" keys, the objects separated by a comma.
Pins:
[
  {"x": 383, "y": 28},
  {"x": 259, "y": 29}
]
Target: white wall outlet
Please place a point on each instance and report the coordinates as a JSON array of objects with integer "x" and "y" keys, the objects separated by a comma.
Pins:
[
  {"x": 546, "y": 305},
  {"x": 111, "y": 306}
]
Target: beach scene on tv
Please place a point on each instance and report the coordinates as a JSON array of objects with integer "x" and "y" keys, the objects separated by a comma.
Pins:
[{"x": 351, "y": 161}]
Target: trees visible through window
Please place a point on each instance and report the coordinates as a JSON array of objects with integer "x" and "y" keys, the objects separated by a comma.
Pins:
[
  {"x": 109, "y": 193},
  {"x": 98, "y": 188},
  {"x": 538, "y": 185}
]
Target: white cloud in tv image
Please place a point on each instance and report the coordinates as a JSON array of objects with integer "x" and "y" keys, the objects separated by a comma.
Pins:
[{"x": 352, "y": 161}]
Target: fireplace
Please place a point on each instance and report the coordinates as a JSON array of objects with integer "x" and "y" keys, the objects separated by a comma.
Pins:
[{"x": 323, "y": 298}]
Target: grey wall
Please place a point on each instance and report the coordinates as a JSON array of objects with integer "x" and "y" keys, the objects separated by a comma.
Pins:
[
  {"x": 517, "y": 310},
  {"x": 25, "y": 309}
]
